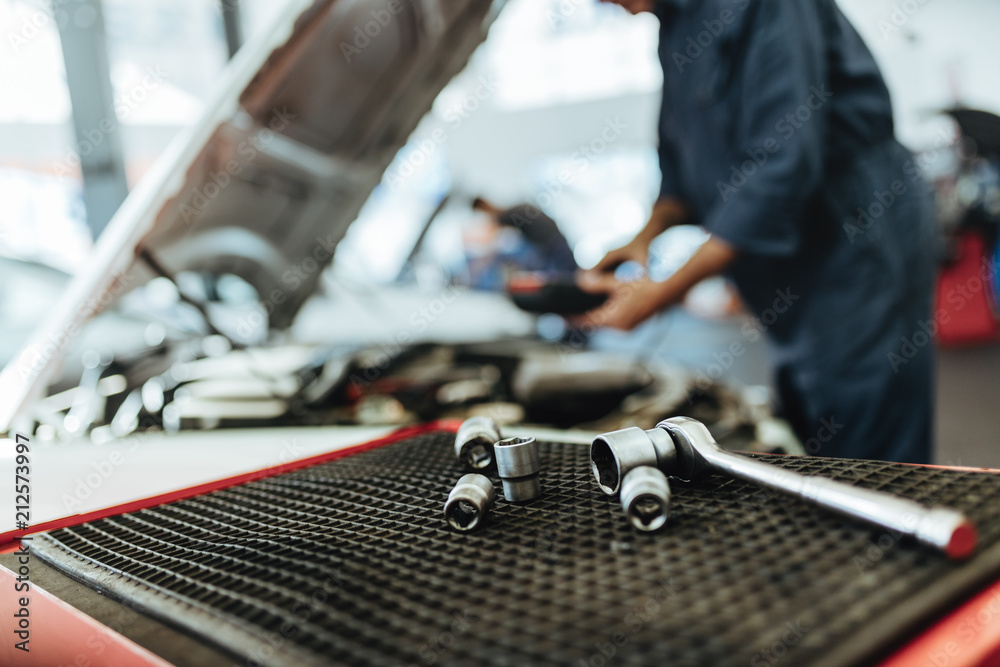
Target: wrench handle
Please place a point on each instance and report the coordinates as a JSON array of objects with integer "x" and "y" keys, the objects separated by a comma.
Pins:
[{"x": 945, "y": 529}]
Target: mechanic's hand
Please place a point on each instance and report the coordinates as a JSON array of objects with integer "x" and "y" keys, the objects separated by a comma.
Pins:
[
  {"x": 629, "y": 303},
  {"x": 634, "y": 6},
  {"x": 636, "y": 250}
]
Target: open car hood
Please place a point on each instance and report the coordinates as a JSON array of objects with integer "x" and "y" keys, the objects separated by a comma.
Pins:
[{"x": 305, "y": 121}]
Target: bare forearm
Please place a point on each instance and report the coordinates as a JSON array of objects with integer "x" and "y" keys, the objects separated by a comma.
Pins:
[
  {"x": 666, "y": 213},
  {"x": 633, "y": 303},
  {"x": 710, "y": 260}
]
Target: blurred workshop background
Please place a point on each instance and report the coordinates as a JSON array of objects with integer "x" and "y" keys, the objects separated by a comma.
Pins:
[{"x": 559, "y": 86}]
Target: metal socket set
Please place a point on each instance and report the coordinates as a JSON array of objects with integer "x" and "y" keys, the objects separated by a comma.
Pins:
[
  {"x": 634, "y": 464},
  {"x": 479, "y": 446},
  {"x": 645, "y": 498},
  {"x": 684, "y": 448},
  {"x": 518, "y": 467},
  {"x": 474, "y": 442},
  {"x": 469, "y": 502}
]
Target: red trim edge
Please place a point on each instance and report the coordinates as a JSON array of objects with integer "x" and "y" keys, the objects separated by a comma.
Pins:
[
  {"x": 9, "y": 540},
  {"x": 58, "y": 634},
  {"x": 967, "y": 637}
]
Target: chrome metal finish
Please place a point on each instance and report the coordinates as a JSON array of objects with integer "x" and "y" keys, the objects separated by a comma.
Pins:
[
  {"x": 87, "y": 399},
  {"x": 469, "y": 502},
  {"x": 697, "y": 455},
  {"x": 945, "y": 529},
  {"x": 645, "y": 497},
  {"x": 474, "y": 442},
  {"x": 614, "y": 454},
  {"x": 517, "y": 465}
]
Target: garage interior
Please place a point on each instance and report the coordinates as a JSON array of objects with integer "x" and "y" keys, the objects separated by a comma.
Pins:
[{"x": 256, "y": 310}]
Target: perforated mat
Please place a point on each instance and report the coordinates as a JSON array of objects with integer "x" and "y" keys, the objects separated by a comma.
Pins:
[{"x": 351, "y": 562}]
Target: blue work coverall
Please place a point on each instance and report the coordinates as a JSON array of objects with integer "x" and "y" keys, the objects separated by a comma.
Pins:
[{"x": 776, "y": 132}]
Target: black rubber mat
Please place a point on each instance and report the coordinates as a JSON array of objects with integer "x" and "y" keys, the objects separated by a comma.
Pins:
[{"x": 352, "y": 563}]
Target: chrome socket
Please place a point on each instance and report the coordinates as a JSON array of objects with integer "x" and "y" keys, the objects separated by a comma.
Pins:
[
  {"x": 645, "y": 496},
  {"x": 517, "y": 465},
  {"x": 613, "y": 455},
  {"x": 683, "y": 447},
  {"x": 469, "y": 502},
  {"x": 474, "y": 442}
]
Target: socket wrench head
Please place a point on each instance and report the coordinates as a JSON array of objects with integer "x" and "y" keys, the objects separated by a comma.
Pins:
[
  {"x": 469, "y": 502},
  {"x": 645, "y": 498},
  {"x": 517, "y": 465},
  {"x": 614, "y": 454},
  {"x": 695, "y": 445},
  {"x": 474, "y": 442}
]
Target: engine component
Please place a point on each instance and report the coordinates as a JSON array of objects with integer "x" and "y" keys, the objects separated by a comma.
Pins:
[
  {"x": 469, "y": 502},
  {"x": 517, "y": 465},
  {"x": 567, "y": 389},
  {"x": 475, "y": 440},
  {"x": 685, "y": 448},
  {"x": 87, "y": 399},
  {"x": 645, "y": 498}
]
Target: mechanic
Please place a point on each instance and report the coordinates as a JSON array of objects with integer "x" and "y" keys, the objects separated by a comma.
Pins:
[
  {"x": 776, "y": 136},
  {"x": 540, "y": 246}
]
